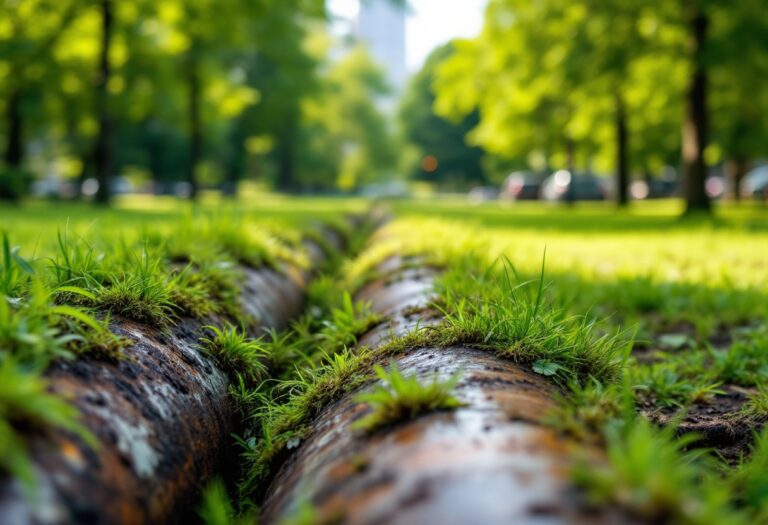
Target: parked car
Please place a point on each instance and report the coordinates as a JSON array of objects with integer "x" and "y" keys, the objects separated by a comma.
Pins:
[
  {"x": 653, "y": 188},
  {"x": 564, "y": 186},
  {"x": 755, "y": 183},
  {"x": 521, "y": 185},
  {"x": 395, "y": 189},
  {"x": 480, "y": 194}
]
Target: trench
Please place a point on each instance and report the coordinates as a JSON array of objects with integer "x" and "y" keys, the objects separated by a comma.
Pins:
[
  {"x": 162, "y": 415},
  {"x": 491, "y": 461}
]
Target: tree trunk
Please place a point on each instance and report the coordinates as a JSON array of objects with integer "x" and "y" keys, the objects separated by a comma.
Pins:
[
  {"x": 102, "y": 154},
  {"x": 195, "y": 121},
  {"x": 236, "y": 158},
  {"x": 14, "y": 151},
  {"x": 695, "y": 127},
  {"x": 285, "y": 162},
  {"x": 622, "y": 164},
  {"x": 154, "y": 152}
]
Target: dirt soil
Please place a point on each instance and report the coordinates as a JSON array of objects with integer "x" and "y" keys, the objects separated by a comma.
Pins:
[{"x": 717, "y": 422}]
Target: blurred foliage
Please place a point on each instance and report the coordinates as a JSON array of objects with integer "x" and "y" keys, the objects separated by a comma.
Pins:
[
  {"x": 430, "y": 134},
  {"x": 209, "y": 92},
  {"x": 551, "y": 78},
  {"x": 347, "y": 141}
]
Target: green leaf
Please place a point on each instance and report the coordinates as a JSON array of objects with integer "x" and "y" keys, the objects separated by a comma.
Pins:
[
  {"x": 676, "y": 341},
  {"x": 77, "y": 291},
  {"x": 78, "y": 315},
  {"x": 547, "y": 368},
  {"x": 22, "y": 263}
]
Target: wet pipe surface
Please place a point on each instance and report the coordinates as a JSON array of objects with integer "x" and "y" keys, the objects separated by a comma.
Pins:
[
  {"x": 161, "y": 416},
  {"x": 489, "y": 462}
]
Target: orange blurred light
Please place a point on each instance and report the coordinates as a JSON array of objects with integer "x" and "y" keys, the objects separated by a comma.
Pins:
[{"x": 429, "y": 163}]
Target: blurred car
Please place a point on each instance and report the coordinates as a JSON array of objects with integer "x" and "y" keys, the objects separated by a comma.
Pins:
[
  {"x": 521, "y": 185},
  {"x": 181, "y": 189},
  {"x": 480, "y": 194},
  {"x": 715, "y": 186},
  {"x": 395, "y": 189},
  {"x": 755, "y": 183},
  {"x": 653, "y": 189},
  {"x": 564, "y": 186}
]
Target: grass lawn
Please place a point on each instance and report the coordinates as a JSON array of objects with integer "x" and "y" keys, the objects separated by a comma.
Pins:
[
  {"x": 642, "y": 265},
  {"x": 37, "y": 222}
]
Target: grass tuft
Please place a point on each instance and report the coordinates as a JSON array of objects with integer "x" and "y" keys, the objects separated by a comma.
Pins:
[
  {"x": 748, "y": 481},
  {"x": 217, "y": 509},
  {"x": 403, "y": 399},
  {"x": 15, "y": 270},
  {"x": 757, "y": 404},
  {"x": 142, "y": 295},
  {"x": 583, "y": 411},
  {"x": 650, "y": 475},
  {"x": 499, "y": 311},
  {"x": 745, "y": 363},
  {"x": 237, "y": 351}
]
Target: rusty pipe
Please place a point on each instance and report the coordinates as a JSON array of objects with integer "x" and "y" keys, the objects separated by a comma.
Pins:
[
  {"x": 161, "y": 415},
  {"x": 492, "y": 461}
]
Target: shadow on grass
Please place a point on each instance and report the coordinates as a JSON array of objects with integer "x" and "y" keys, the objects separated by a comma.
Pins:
[{"x": 587, "y": 217}]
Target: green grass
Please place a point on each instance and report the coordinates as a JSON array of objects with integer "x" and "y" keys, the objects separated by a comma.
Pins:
[
  {"x": 15, "y": 271},
  {"x": 584, "y": 411},
  {"x": 748, "y": 482},
  {"x": 641, "y": 266},
  {"x": 757, "y": 404},
  {"x": 650, "y": 475},
  {"x": 237, "y": 351},
  {"x": 499, "y": 311},
  {"x": 675, "y": 382},
  {"x": 217, "y": 509},
  {"x": 402, "y": 398},
  {"x": 745, "y": 363}
]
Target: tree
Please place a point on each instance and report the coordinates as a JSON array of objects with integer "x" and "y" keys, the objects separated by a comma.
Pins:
[
  {"x": 245, "y": 52},
  {"x": 102, "y": 152},
  {"x": 559, "y": 78},
  {"x": 578, "y": 67},
  {"x": 739, "y": 101},
  {"x": 696, "y": 124},
  {"x": 178, "y": 90},
  {"x": 438, "y": 137},
  {"x": 283, "y": 68},
  {"x": 30, "y": 31},
  {"x": 345, "y": 139}
]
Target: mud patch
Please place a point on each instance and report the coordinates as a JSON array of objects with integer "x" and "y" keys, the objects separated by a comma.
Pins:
[{"x": 719, "y": 423}]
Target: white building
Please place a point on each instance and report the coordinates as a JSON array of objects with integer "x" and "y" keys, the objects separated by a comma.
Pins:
[{"x": 381, "y": 25}]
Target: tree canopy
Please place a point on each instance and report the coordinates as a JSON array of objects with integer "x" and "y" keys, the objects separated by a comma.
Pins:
[
  {"x": 182, "y": 94},
  {"x": 607, "y": 85},
  {"x": 435, "y": 137}
]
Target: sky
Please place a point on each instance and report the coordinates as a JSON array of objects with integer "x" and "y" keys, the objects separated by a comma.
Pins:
[{"x": 429, "y": 24}]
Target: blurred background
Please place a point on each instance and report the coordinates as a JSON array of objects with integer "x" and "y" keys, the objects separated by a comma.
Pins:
[{"x": 558, "y": 100}]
